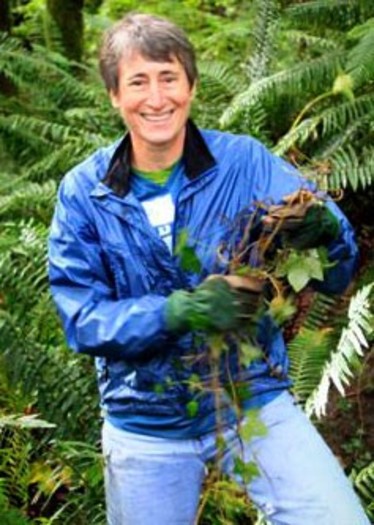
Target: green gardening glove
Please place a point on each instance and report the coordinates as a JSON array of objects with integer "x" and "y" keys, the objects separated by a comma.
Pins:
[
  {"x": 303, "y": 225},
  {"x": 318, "y": 227},
  {"x": 214, "y": 306}
]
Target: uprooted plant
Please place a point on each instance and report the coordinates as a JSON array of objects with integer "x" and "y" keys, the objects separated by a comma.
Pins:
[{"x": 269, "y": 271}]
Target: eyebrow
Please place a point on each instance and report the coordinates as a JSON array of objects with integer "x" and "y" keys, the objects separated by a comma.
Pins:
[{"x": 144, "y": 75}]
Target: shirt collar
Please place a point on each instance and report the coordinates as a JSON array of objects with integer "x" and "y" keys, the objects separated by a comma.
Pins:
[{"x": 196, "y": 157}]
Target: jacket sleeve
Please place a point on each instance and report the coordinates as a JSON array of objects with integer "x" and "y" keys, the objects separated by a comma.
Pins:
[
  {"x": 94, "y": 320},
  {"x": 276, "y": 178}
]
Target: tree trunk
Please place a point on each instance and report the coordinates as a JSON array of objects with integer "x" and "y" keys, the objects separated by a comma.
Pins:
[
  {"x": 4, "y": 16},
  {"x": 6, "y": 86},
  {"x": 68, "y": 17}
]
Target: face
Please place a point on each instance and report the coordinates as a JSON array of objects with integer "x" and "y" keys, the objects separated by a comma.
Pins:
[{"x": 154, "y": 100}]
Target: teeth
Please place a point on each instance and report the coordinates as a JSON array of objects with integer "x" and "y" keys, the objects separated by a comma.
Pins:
[{"x": 158, "y": 118}]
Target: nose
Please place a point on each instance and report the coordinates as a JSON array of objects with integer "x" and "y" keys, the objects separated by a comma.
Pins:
[{"x": 156, "y": 97}]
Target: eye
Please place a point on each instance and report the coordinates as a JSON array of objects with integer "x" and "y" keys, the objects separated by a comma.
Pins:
[
  {"x": 136, "y": 83},
  {"x": 170, "y": 79}
]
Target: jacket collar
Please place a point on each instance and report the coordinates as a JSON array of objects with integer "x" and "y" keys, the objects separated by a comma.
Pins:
[{"x": 196, "y": 157}]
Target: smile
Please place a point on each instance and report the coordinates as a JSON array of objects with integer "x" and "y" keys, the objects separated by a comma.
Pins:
[{"x": 159, "y": 117}]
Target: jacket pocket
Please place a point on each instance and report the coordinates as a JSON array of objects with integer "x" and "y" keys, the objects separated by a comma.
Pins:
[{"x": 128, "y": 271}]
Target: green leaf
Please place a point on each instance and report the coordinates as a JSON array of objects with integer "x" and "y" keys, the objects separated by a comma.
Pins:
[
  {"x": 281, "y": 309},
  {"x": 194, "y": 383},
  {"x": 246, "y": 470},
  {"x": 248, "y": 353},
  {"x": 300, "y": 267},
  {"x": 192, "y": 408},
  {"x": 159, "y": 388},
  {"x": 252, "y": 425},
  {"x": 188, "y": 258},
  {"x": 298, "y": 277}
]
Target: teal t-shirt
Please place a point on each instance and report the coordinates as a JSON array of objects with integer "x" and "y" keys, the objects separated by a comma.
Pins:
[{"x": 158, "y": 191}]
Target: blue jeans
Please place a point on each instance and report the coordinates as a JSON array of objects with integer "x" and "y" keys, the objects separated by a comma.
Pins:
[{"x": 156, "y": 481}]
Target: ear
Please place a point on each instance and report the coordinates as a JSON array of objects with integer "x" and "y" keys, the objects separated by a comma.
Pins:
[
  {"x": 193, "y": 90},
  {"x": 114, "y": 99}
]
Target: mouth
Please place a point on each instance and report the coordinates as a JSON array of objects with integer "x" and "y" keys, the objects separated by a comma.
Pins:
[{"x": 158, "y": 117}]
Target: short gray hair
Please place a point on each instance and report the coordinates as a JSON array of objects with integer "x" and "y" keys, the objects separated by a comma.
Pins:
[{"x": 153, "y": 37}]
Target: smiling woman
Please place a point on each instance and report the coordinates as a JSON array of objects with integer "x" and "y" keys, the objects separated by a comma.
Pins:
[
  {"x": 166, "y": 338},
  {"x": 154, "y": 100}
]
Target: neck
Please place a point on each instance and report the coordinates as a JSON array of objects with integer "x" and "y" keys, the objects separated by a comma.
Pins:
[{"x": 147, "y": 157}]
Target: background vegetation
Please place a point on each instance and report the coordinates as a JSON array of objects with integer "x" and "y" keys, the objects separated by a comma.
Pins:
[{"x": 298, "y": 75}]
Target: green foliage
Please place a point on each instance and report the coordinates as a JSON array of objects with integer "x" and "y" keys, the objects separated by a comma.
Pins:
[
  {"x": 322, "y": 353},
  {"x": 364, "y": 483},
  {"x": 352, "y": 343},
  {"x": 187, "y": 256},
  {"x": 225, "y": 503},
  {"x": 335, "y": 133},
  {"x": 50, "y": 129},
  {"x": 310, "y": 76},
  {"x": 78, "y": 466},
  {"x": 10, "y": 515},
  {"x": 301, "y": 267}
]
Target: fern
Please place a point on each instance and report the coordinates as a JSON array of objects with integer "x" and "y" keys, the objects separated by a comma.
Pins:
[
  {"x": 329, "y": 13},
  {"x": 364, "y": 485},
  {"x": 360, "y": 59},
  {"x": 348, "y": 170},
  {"x": 219, "y": 80},
  {"x": 351, "y": 344},
  {"x": 44, "y": 129},
  {"x": 298, "y": 135},
  {"x": 86, "y": 501},
  {"x": 308, "y": 353},
  {"x": 9, "y": 515},
  {"x": 311, "y": 347},
  {"x": 346, "y": 135},
  {"x": 310, "y": 76},
  {"x": 30, "y": 200},
  {"x": 264, "y": 33},
  {"x": 61, "y": 386},
  {"x": 309, "y": 41},
  {"x": 328, "y": 121}
]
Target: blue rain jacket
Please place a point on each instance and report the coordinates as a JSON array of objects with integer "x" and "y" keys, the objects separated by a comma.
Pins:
[{"x": 111, "y": 274}]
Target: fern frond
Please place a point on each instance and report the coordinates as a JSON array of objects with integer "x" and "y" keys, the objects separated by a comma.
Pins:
[
  {"x": 58, "y": 160},
  {"x": 310, "y": 348},
  {"x": 308, "y": 352},
  {"x": 335, "y": 13},
  {"x": 332, "y": 119},
  {"x": 344, "y": 136},
  {"x": 46, "y": 131},
  {"x": 364, "y": 485},
  {"x": 264, "y": 33},
  {"x": 219, "y": 80},
  {"x": 360, "y": 61},
  {"x": 317, "y": 43},
  {"x": 307, "y": 76},
  {"x": 353, "y": 341},
  {"x": 22, "y": 67},
  {"x": 30, "y": 200},
  {"x": 298, "y": 135},
  {"x": 341, "y": 116},
  {"x": 347, "y": 169},
  {"x": 231, "y": 31},
  {"x": 23, "y": 260}
]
